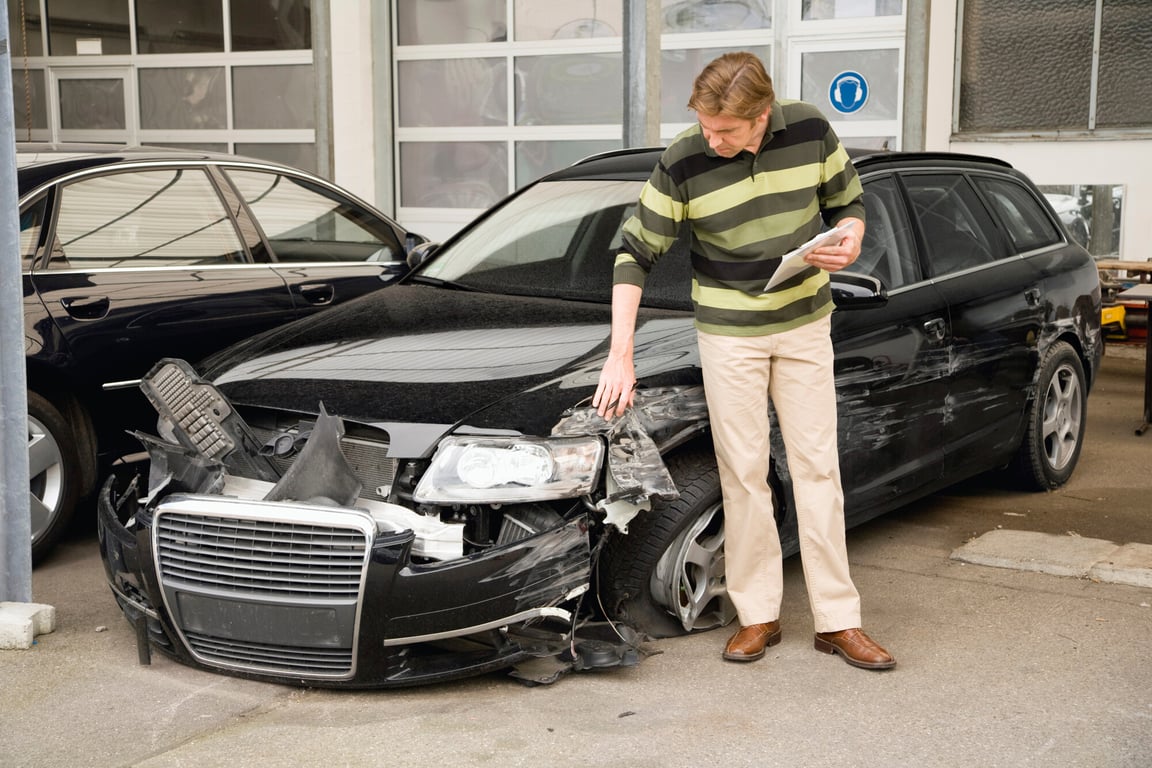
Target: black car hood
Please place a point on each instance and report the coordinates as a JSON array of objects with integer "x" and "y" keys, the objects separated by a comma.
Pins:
[{"x": 439, "y": 357}]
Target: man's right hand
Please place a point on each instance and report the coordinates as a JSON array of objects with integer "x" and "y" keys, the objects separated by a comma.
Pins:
[{"x": 617, "y": 386}]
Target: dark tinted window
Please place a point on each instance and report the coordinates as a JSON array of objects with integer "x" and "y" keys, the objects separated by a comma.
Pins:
[
  {"x": 31, "y": 224},
  {"x": 957, "y": 230},
  {"x": 1023, "y": 216},
  {"x": 309, "y": 224},
  {"x": 889, "y": 250},
  {"x": 157, "y": 218}
]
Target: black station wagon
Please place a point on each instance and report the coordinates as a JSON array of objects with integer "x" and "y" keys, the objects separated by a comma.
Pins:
[
  {"x": 131, "y": 254},
  {"x": 414, "y": 487}
]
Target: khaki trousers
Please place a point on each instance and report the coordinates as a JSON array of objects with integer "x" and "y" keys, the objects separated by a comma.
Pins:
[{"x": 795, "y": 368}]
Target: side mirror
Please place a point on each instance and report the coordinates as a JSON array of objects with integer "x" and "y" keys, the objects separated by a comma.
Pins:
[
  {"x": 851, "y": 290},
  {"x": 419, "y": 254}
]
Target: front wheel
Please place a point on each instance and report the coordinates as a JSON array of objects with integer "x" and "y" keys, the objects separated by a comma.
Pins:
[
  {"x": 1057, "y": 417},
  {"x": 665, "y": 577}
]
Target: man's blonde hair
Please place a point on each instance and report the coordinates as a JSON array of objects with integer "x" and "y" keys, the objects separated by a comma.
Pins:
[{"x": 735, "y": 84}]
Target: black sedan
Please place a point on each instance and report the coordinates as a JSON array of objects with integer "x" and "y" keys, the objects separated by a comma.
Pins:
[
  {"x": 132, "y": 254},
  {"x": 414, "y": 486}
]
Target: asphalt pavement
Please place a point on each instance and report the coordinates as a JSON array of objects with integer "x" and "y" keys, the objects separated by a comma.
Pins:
[{"x": 1010, "y": 661}]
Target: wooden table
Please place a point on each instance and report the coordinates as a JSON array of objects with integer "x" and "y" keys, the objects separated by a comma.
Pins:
[
  {"x": 1142, "y": 269},
  {"x": 1143, "y": 292}
]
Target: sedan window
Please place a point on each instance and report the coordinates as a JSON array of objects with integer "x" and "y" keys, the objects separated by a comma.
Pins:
[
  {"x": 1028, "y": 226},
  {"x": 155, "y": 218},
  {"x": 306, "y": 224},
  {"x": 956, "y": 227},
  {"x": 31, "y": 222},
  {"x": 888, "y": 252}
]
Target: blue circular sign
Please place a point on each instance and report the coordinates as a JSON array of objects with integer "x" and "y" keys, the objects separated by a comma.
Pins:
[{"x": 848, "y": 92}]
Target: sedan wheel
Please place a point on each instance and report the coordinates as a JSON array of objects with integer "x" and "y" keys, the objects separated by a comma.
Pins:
[
  {"x": 1056, "y": 421},
  {"x": 665, "y": 577},
  {"x": 52, "y": 466}
]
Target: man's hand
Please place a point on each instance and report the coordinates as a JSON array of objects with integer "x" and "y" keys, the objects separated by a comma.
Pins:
[
  {"x": 617, "y": 386},
  {"x": 833, "y": 258}
]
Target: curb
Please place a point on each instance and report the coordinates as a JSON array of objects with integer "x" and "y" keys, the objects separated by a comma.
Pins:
[
  {"x": 20, "y": 623},
  {"x": 1069, "y": 555}
]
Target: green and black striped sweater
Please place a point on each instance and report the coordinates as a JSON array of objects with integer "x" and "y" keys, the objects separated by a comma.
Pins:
[{"x": 745, "y": 213}]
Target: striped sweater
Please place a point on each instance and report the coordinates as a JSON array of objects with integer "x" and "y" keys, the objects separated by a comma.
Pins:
[{"x": 746, "y": 212}]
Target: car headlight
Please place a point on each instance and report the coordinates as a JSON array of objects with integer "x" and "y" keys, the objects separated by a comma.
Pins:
[{"x": 493, "y": 470}]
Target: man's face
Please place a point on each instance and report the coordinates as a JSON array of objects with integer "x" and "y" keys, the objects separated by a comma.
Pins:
[{"x": 728, "y": 135}]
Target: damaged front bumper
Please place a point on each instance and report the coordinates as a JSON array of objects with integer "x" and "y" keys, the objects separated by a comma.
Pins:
[{"x": 296, "y": 579}]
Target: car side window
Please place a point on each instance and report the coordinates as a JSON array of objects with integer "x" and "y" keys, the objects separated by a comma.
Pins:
[
  {"x": 1028, "y": 226},
  {"x": 305, "y": 223},
  {"x": 889, "y": 251},
  {"x": 31, "y": 224},
  {"x": 956, "y": 227},
  {"x": 153, "y": 218}
]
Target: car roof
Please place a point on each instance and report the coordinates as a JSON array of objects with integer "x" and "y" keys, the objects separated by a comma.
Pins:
[
  {"x": 40, "y": 162},
  {"x": 638, "y": 162}
]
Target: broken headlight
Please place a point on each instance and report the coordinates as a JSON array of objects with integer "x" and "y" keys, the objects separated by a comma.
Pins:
[{"x": 494, "y": 470}]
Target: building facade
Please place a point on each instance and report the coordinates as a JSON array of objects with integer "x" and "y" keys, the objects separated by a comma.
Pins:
[{"x": 435, "y": 109}]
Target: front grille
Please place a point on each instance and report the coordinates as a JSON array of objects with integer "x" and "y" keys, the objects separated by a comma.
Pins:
[
  {"x": 266, "y": 557},
  {"x": 266, "y": 587},
  {"x": 269, "y": 656}
]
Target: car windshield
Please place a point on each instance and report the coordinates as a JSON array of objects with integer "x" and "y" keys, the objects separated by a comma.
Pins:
[{"x": 557, "y": 239}]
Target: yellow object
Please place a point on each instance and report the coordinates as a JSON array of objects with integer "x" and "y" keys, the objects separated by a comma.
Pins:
[{"x": 1112, "y": 322}]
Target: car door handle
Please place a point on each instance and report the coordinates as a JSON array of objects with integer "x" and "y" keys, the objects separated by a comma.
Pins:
[
  {"x": 318, "y": 293},
  {"x": 1032, "y": 296},
  {"x": 86, "y": 307},
  {"x": 935, "y": 328}
]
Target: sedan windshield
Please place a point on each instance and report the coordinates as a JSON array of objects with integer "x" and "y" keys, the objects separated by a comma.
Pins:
[{"x": 557, "y": 239}]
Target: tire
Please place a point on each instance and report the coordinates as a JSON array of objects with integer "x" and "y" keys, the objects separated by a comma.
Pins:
[
  {"x": 1056, "y": 418},
  {"x": 54, "y": 472},
  {"x": 665, "y": 577}
]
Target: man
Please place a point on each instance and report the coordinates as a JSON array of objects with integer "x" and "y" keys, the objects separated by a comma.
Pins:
[{"x": 754, "y": 179}]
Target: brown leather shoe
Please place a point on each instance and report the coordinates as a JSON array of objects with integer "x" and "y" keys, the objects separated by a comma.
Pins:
[
  {"x": 857, "y": 648},
  {"x": 749, "y": 642}
]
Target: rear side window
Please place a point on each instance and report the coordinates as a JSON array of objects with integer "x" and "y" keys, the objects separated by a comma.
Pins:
[
  {"x": 1024, "y": 218},
  {"x": 155, "y": 218},
  {"x": 308, "y": 224},
  {"x": 958, "y": 232}
]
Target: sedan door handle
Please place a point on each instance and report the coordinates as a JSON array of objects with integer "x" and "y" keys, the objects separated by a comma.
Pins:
[
  {"x": 86, "y": 307},
  {"x": 934, "y": 329},
  {"x": 318, "y": 293}
]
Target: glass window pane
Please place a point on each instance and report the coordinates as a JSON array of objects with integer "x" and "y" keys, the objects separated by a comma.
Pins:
[
  {"x": 270, "y": 25},
  {"x": 888, "y": 252},
  {"x": 459, "y": 174},
  {"x": 678, "y": 70},
  {"x": 953, "y": 221},
  {"x": 28, "y": 94},
  {"x": 451, "y": 21},
  {"x": 279, "y": 96},
  {"x": 1031, "y": 39},
  {"x": 306, "y": 224},
  {"x": 549, "y": 20},
  {"x": 87, "y": 27},
  {"x": 145, "y": 219},
  {"x": 163, "y": 26},
  {"x": 31, "y": 224},
  {"x": 536, "y": 158},
  {"x": 1124, "y": 99},
  {"x": 879, "y": 88},
  {"x": 576, "y": 89},
  {"x": 452, "y": 92},
  {"x": 1028, "y": 225},
  {"x": 716, "y": 15},
  {"x": 183, "y": 98},
  {"x": 92, "y": 104},
  {"x": 30, "y": 36},
  {"x": 301, "y": 156},
  {"x": 850, "y": 9}
]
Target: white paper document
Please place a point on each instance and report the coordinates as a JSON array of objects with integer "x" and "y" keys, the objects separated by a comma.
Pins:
[{"x": 793, "y": 262}]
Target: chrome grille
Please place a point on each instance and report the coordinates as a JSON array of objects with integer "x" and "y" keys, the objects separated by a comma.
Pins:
[{"x": 260, "y": 556}]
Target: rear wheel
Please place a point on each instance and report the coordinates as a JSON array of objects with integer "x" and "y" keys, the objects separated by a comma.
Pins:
[
  {"x": 665, "y": 577},
  {"x": 1057, "y": 417},
  {"x": 54, "y": 472}
]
